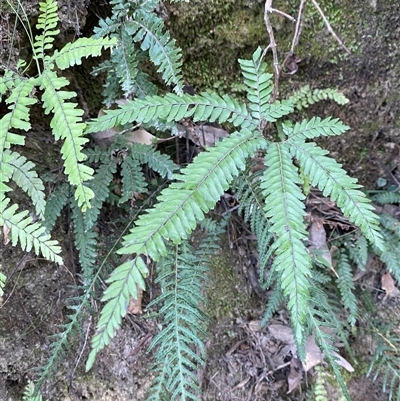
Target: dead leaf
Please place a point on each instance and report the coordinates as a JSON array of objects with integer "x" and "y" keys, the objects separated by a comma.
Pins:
[
  {"x": 295, "y": 375},
  {"x": 282, "y": 333},
  {"x": 6, "y": 231},
  {"x": 314, "y": 356},
  {"x": 387, "y": 284},
  {"x": 135, "y": 305},
  {"x": 317, "y": 241},
  {"x": 342, "y": 362}
]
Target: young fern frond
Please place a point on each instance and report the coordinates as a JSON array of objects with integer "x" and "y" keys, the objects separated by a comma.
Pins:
[
  {"x": 326, "y": 174},
  {"x": 346, "y": 286},
  {"x": 286, "y": 211},
  {"x": 204, "y": 107},
  {"x": 305, "y": 97},
  {"x": 47, "y": 22},
  {"x": 259, "y": 89}
]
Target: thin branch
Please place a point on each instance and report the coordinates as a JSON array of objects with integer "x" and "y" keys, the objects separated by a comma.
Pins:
[
  {"x": 299, "y": 27},
  {"x": 328, "y": 25},
  {"x": 272, "y": 46}
]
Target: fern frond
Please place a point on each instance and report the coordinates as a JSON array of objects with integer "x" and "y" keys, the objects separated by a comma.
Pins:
[
  {"x": 54, "y": 205},
  {"x": 319, "y": 319},
  {"x": 27, "y": 179},
  {"x": 29, "y": 393},
  {"x": 28, "y": 234},
  {"x": 123, "y": 285},
  {"x": 286, "y": 211},
  {"x": 160, "y": 163},
  {"x": 85, "y": 242},
  {"x": 326, "y": 174},
  {"x": 72, "y": 53},
  {"x": 346, "y": 286},
  {"x": 314, "y": 128},
  {"x": 47, "y": 21},
  {"x": 67, "y": 126},
  {"x": 259, "y": 89},
  {"x": 182, "y": 277},
  {"x": 61, "y": 340},
  {"x": 185, "y": 202},
  {"x": 147, "y": 28},
  {"x": 133, "y": 179},
  {"x": 205, "y": 107},
  {"x": 251, "y": 205},
  {"x": 305, "y": 97},
  {"x": 384, "y": 197},
  {"x": 100, "y": 186}
]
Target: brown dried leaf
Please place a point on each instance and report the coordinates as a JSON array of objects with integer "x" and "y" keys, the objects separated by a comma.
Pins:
[
  {"x": 387, "y": 283},
  {"x": 135, "y": 305},
  {"x": 314, "y": 356},
  {"x": 6, "y": 231}
]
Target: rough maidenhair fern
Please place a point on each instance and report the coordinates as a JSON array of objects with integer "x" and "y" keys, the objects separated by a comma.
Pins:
[
  {"x": 199, "y": 185},
  {"x": 180, "y": 349},
  {"x": 66, "y": 125},
  {"x": 139, "y": 31}
]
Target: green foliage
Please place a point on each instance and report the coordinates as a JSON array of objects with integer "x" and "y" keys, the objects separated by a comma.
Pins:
[
  {"x": 346, "y": 286},
  {"x": 181, "y": 351},
  {"x": 139, "y": 31},
  {"x": 274, "y": 196},
  {"x": 66, "y": 125},
  {"x": 386, "y": 361},
  {"x": 29, "y": 394},
  {"x": 305, "y": 97}
]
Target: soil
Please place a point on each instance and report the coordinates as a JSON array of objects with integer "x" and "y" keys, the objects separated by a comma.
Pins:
[{"x": 244, "y": 362}]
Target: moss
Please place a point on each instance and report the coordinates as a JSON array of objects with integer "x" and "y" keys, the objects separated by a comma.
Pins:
[
  {"x": 213, "y": 35},
  {"x": 223, "y": 296}
]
